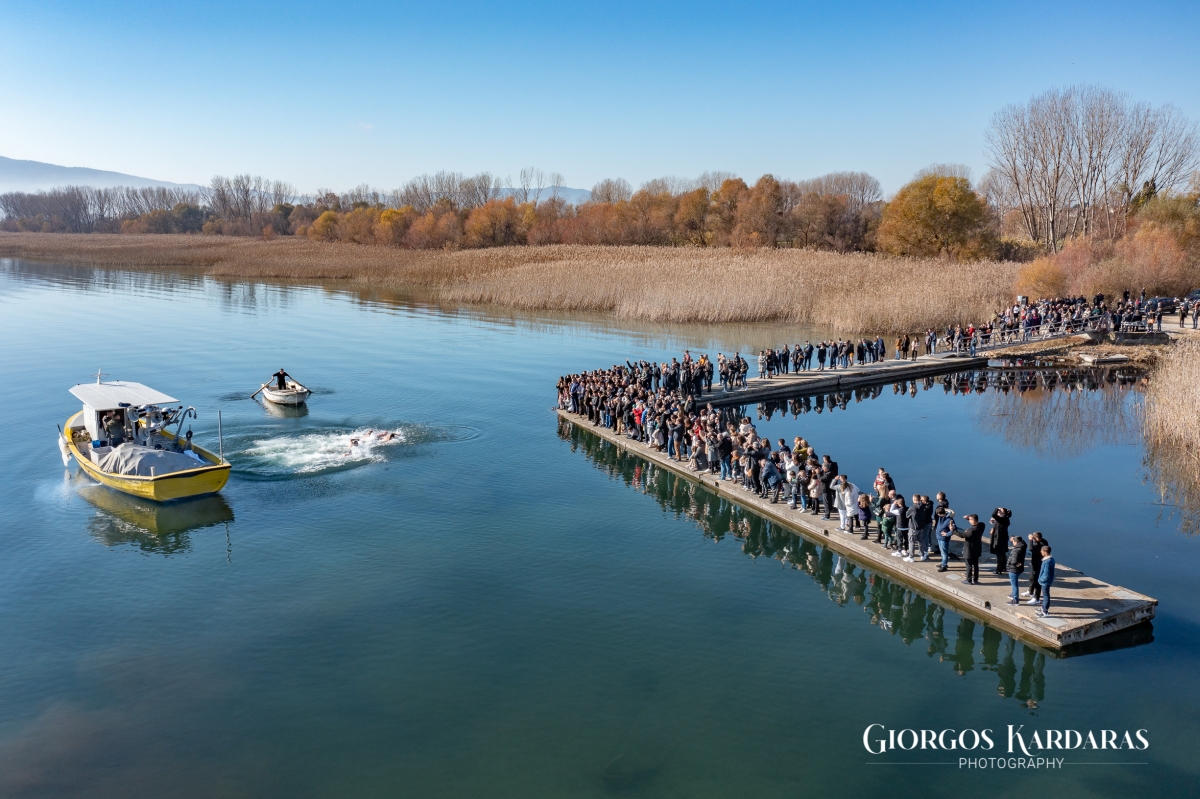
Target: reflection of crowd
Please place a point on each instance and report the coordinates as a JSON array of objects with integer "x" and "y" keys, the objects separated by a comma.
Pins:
[
  {"x": 624, "y": 400},
  {"x": 889, "y": 605}
]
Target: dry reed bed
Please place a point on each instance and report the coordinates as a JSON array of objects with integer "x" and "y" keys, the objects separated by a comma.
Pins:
[
  {"x": 1173, "y": 399},
  {"x": 853, "y": 293},
  {"x": 1172, "y": 430}
]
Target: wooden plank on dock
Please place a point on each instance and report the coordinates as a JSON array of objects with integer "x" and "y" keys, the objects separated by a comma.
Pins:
[{"x": 1083, "y": 607}]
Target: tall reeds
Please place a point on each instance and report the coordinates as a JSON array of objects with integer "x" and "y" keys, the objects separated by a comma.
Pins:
[
  {"x": 854, "y": 293},
  {"x": 1172, "y": 428}
]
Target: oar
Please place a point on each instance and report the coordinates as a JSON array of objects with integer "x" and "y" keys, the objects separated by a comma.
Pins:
[{"x": 260, "y": 388}]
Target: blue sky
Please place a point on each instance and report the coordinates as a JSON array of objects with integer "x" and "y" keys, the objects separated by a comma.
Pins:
[{"x": 337, "y": 94}]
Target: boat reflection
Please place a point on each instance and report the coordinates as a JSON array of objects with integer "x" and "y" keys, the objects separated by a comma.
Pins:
[
  {"x": 963, "y": 644},
  {"x": 161, "y": 528},
  {"x": 285, "y": 411}
]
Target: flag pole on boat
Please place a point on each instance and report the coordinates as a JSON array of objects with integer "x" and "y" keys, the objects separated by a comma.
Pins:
[{"x": 220, "y": 438}]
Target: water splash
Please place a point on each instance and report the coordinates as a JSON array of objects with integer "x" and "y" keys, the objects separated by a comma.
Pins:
[{"x": 317, "y": 452}]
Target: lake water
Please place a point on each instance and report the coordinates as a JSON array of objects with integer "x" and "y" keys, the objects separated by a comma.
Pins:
[{"x": 499, "y": 605}]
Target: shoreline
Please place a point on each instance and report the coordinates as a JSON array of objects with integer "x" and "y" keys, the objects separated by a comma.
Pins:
[{"x": 818, "y": 289}]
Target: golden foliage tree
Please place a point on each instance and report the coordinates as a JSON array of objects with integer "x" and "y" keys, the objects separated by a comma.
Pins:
[
  {"x": 325, "y": 228},
  {"x": 496, "y": 223},
  {"x": 393, "y": 225},
  {"x": 936, "y": 215}
]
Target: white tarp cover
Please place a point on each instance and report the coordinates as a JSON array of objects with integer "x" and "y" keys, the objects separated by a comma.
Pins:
[
  {"x": 107, "y": 396},
  {"x": 138, "y": 460}
]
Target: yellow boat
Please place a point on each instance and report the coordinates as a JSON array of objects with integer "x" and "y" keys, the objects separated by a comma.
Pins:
[{"x": 121, "y": 440}]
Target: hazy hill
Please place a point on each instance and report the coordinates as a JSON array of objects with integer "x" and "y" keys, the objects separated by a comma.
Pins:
[{"x": 36, "y": 176}]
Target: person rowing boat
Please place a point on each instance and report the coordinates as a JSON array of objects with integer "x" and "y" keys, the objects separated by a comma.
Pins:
[{"x": 280, "y": 379}]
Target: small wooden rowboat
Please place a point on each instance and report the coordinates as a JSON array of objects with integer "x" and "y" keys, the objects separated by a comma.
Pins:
[{"x": 294, "y": 394}]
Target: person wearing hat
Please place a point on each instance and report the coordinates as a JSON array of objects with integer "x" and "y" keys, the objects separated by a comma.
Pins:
[{"x": 944, "y": 532}]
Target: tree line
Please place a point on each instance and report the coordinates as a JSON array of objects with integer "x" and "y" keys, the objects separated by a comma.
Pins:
[{"x": 1071, "y": 167}]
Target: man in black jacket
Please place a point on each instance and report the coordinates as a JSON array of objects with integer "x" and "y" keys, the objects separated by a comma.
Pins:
[
  {"x": 1001, "y": 518},
  {"x": 1015, "y": 564},
  {"x": 973, "y": 538},
  {"x": 1036, "y": 542}
]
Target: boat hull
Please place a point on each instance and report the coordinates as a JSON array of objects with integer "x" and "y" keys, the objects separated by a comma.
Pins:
[
  {"x": 294, "y": 394},
  {"x": 160, "y": 488}
]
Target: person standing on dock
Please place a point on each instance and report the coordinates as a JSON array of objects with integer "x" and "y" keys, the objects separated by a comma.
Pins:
[
  {"x": 973, "y": 537},
  {"x": 1045, "y": 580},
  {"x": 1015, "y": 564},
  {"x": 1001, "y": 519},
  {"x": 846, "y": 500},
  {"x": 898, "y": 510},
  {"x": 945, "y": 532},
  {"x": 1036, "y": 542}
]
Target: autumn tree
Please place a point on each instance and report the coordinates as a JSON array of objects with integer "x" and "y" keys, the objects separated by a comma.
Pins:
[
  {"x": 759, "y": 215},
  {"x": 691, "y": 218},
  {"x": 325, "y": 227},
  {"x": 723, "y": 212},
  {"x": 936, "y": 215},
  {"x": 393, "y": 225},
  {"x": 496, "y": 223}
]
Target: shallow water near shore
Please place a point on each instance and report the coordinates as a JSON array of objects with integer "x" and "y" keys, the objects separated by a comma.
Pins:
[{"x": 492, "y": 604}]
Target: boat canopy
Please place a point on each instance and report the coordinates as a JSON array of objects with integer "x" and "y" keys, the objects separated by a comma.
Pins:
[{"x": 108, "y": 396}]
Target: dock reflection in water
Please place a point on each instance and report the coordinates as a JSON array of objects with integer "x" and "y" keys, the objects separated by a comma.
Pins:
[
  {"x": 160, "y": 528},
  {"x": 895, "y": 609}
]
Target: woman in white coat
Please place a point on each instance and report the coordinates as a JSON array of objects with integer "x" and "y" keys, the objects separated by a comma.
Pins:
[{"x": 845, "y": 499}]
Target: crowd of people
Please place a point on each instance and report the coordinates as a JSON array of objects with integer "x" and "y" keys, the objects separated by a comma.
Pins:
[{"x": 657, "y": 406}]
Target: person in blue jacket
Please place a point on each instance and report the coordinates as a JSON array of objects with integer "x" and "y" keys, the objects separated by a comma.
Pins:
[
  {"x": 944, "y": 530},
  {"x": 1045, "y": 580}
]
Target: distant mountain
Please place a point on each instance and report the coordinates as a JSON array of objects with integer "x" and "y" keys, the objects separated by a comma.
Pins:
[
  {"x": 572, "y": 196},
  {"x": 36, "y": 176}
]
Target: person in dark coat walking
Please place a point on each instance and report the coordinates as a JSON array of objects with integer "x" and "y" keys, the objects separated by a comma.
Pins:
[
  {"x": 1015, "y": 563},
  {"x": 973, "y": 538},
  {"x": 1001, "y": 518}
]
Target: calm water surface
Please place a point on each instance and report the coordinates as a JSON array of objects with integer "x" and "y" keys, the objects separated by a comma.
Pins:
[{"x": 501, "y": 606}]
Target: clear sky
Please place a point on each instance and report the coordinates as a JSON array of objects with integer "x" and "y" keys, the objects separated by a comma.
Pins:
[{"x": 337, "y": 94}]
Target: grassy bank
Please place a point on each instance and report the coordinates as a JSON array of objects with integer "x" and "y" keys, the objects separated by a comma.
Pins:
[{"x": 853, "y": 293}]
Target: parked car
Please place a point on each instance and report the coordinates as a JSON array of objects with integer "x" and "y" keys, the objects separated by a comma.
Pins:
[
  {"x": 1164, "y": 304},
  {"x": 1193, "y": 296}
]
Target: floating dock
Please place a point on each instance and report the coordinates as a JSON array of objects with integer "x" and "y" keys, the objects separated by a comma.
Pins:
[{"x": 1083, "y": 608}]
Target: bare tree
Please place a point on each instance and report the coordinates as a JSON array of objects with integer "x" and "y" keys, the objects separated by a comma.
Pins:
[
  {"x": 282, "y": 193},
  {"x": 531, "y": 183},
  {"x": 1071, "y": 161},
  {"x": 612, "y": 190},
  {"x": 556, "y": 186},
  {"x": 479, "y": 190},
  {"x": 945, "y": 170},
  {"x": 1162, "y": 150}
]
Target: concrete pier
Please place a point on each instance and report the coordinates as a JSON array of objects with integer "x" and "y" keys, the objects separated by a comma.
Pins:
[{"x": 1084, "y": 608}]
